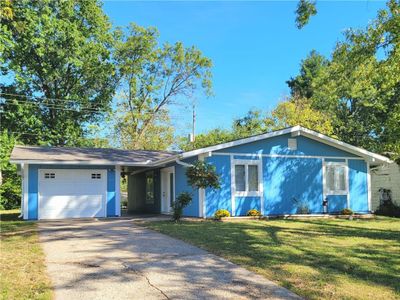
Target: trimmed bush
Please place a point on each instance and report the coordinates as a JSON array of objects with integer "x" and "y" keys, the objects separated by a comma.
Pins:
[
  {"x": 347, "y": 212},
  {"x": 253, "y": 213},
  {"x": 179, "y": 204},
  {"x": 221, "y": 213}
]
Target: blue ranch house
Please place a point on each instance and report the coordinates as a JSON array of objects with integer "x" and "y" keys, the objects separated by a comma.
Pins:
[{"x": 289, "y": 171}]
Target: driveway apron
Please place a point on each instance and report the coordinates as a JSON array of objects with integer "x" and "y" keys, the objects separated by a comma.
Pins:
[{"x": 116, "y": 259}]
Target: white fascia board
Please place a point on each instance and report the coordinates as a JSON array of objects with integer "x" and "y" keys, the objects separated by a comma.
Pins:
[
  {"x": 343, "y": 146},
  {"x": 84, "y": 163}
]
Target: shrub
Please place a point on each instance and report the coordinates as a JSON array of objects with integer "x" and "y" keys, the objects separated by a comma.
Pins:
[
  {"x": 179, "y": 204},
  {"x": 202, "y": 175},
  {"x": 389, "y": 209},
  {"x": 221, "y": 213},
  {"x": 301, "y": 206},
  {"x": 253, "y": 213},
  {"x": 347, "y": 212}
]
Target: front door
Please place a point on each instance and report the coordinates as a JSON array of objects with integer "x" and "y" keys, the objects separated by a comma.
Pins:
[{"x": 167, "y": 189}]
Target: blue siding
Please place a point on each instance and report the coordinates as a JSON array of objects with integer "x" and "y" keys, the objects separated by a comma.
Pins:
[
  {"x": 244, "y": 204},
  {"x": 221, "y": 198},
  {"x": 289, "y": 179},
  {"x": 181, "y": 185},
  {"x": 33, "y": 184},
  {"x": 358, "y": 185},
  {"x": 111, "y": 193},
  {"x": 33, "y": 192},
  {"x": 279, "y": 145},
  {"x": 336, "y": 203}
]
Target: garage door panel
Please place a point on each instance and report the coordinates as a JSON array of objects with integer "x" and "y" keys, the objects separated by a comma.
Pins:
[{"x": 72, "y": 193}]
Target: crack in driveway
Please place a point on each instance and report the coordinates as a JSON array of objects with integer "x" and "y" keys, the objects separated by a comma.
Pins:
[{"x": 141, "y": 273}]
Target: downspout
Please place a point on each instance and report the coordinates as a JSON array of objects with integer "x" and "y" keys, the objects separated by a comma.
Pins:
[{"x": 23, "y": 192}]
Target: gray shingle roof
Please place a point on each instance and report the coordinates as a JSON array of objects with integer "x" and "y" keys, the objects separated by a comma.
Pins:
[{"x": 99, "y": 156}]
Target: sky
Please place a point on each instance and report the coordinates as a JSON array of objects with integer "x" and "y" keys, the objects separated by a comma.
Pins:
[{"x": 254, "y": 46}]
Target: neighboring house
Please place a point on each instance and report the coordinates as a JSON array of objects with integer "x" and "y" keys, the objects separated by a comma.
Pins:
[
  {"x": 385, "y": 177},
  {"x": 275, "y": 172}
]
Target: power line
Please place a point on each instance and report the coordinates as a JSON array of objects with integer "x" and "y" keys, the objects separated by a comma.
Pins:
[
  {"x": 56, "y": 107},
  {"x": 45, "y": 98},
  {"x": 51, "y": 104}
]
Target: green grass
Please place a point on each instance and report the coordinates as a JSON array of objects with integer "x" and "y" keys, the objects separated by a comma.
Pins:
[
  {"x": 22, "y": 265},
  {"x": 317, "y": 259}
]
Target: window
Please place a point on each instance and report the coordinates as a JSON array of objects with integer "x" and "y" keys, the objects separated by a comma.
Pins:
[
  {"x": 49, "y": 175},
  {"x": 247, "y": 181},
  {"x": 150, "y": 188},
  {"x": 96, "y": 176},
  {"x": 336, "y": 178}
]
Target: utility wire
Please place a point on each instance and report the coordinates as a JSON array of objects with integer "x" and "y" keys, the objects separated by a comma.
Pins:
[
  {"x": 88, "y": 110},
  {"x": 45, "y": 98},
  {"x": 49, "y": 104}
]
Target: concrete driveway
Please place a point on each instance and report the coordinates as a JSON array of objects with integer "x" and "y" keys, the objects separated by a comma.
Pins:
[{"x": 116, "y": 259}]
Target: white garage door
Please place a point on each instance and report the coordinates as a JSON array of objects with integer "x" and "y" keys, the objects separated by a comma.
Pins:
[{"x": 72, "y": 193}]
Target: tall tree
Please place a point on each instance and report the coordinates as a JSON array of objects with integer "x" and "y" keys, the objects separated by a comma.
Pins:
[
  {"x": 56, "y": 69},
  {"x": 298, "y": 111},
  {"x": 153, "y": 78},
  {"x": 310, "y": 68},
  {"x": 360, "y": 86}
]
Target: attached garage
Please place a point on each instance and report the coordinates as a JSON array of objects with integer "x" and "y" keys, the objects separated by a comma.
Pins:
[
  {"x": 72, "y": 193},
  {"x": 63, "y": 182}
]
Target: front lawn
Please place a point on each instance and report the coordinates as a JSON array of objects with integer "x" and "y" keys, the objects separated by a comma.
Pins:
[
  {"x": 22, "y": 267},
  {"x": 317, "y": 259}
]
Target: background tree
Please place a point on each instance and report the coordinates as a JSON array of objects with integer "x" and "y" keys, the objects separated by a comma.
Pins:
[
  {"x": 305, "y": 10},
  {"x": 56, "y": 76},
  {"x": 56, "y": 68},
  {"x": 310, "y": 68},
  {"x": 153, "y": 78},
  {"x": 359, "y": 88}
]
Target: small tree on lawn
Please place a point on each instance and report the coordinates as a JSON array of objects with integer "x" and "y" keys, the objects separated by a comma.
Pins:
[{"x": 200, "y": 175}]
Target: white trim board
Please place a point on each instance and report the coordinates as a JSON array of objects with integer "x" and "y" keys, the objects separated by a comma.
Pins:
[{"x": 255, "y": 155}]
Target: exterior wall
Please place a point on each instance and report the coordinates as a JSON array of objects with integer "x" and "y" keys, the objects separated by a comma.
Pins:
[
  {"x": 387, "y": 177},
  {"x": 289, "y": 177},
  {"x": 219, "y": 199},
  {"x": 181, "y": 185},
  {"x": 279, "y": 145},
  {"x": 288, "y": 181},
  {"x": 358, "y": 186},
  {"x": 31, "y": 210}
]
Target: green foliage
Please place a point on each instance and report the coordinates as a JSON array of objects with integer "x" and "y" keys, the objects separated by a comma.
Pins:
[
  {"x": 10, "y": 188},
  {"x": 212, "y": 137},
  {"x": 359, "y": 87},
  {"x": 347, "y": 212},
  {"x": 179, "y": 204},
  {"x": 221, "y": 213},
  {"x": 153, "y": 77},
  {"x": 305, "y": 10},
  {"x": 253, "y": 213},
  {"x": 52, "y": 51},
  {"x": 292, "y": 112},
  {"x": 298, "y": 111},
  {"x": 388, "y": 208},
  {"x": 202, "y": 175},
  {"x": 302, "y": 85}
]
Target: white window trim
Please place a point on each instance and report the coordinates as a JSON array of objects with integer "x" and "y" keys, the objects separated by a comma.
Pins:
[
  {"x": 246, "y": 163},
  {"x": 346, "y": 179}
]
